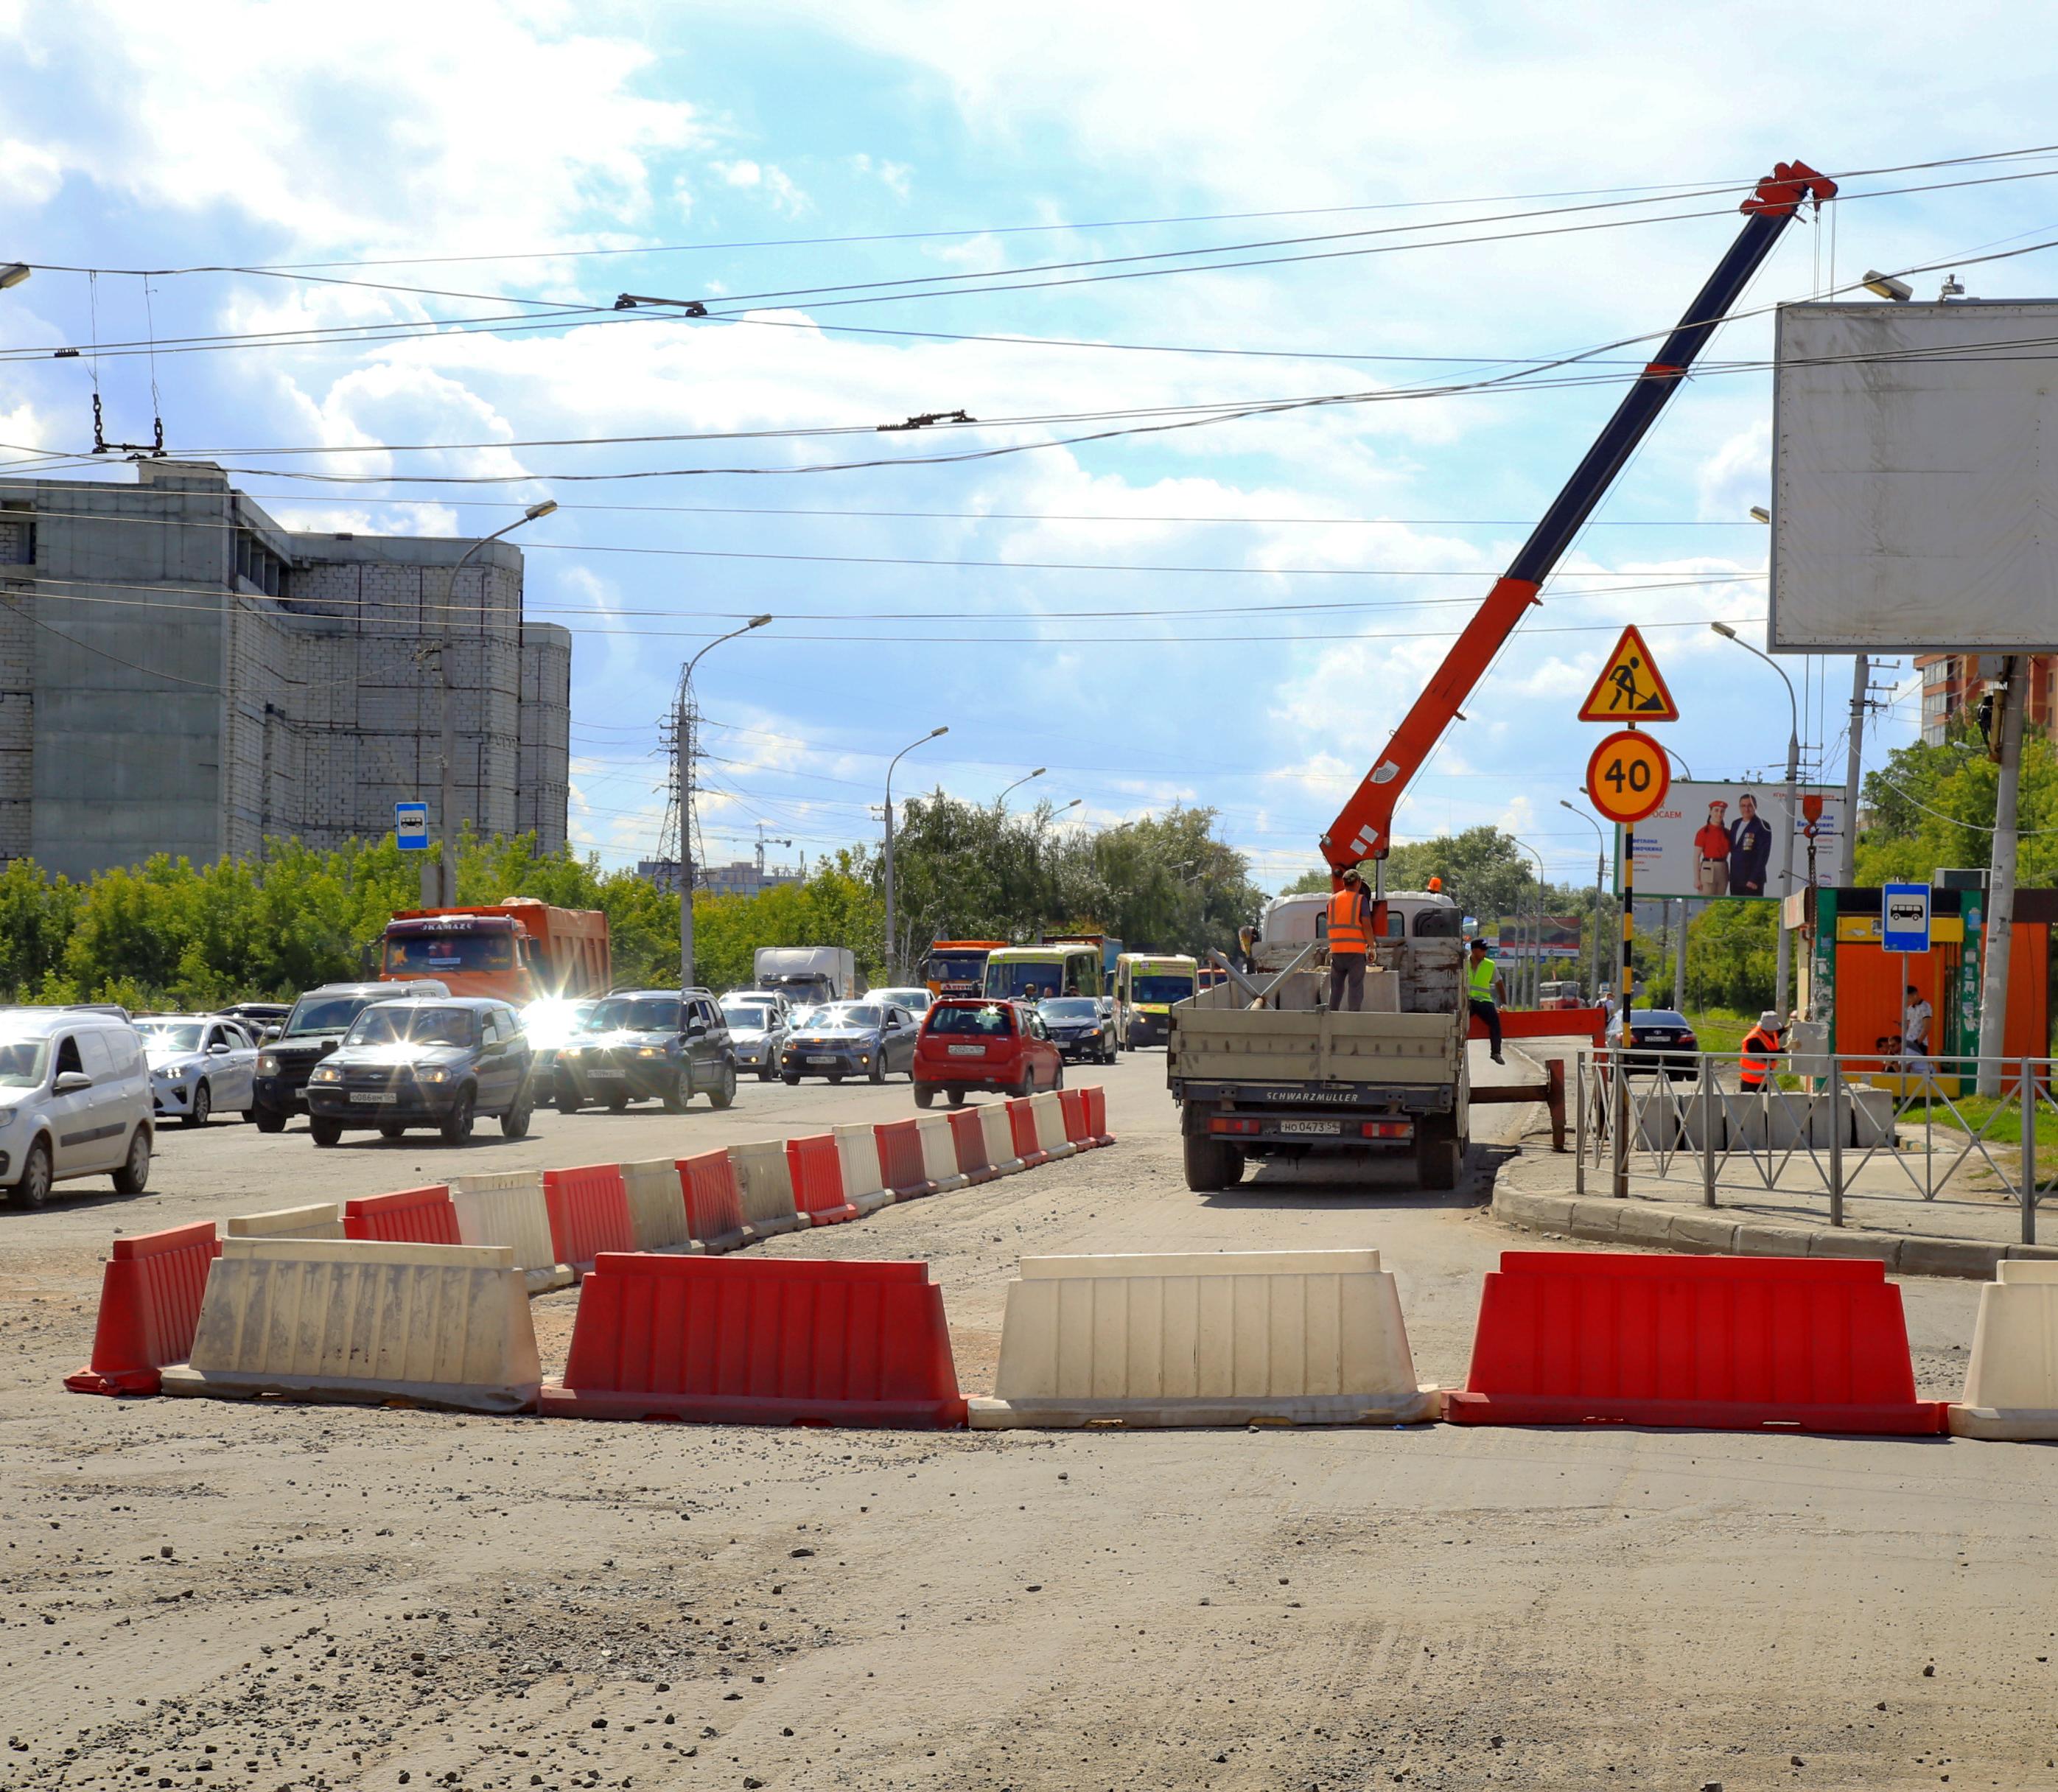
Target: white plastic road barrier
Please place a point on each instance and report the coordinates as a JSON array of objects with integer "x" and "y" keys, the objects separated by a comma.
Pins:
[
  {"x": 939, "y": 1154},
  {"x": 864, "y": 1187},
  {"x": 1283, "y": 1337},
  {"x": 506, "y": 1207},
  {"x": 344, "y": 1319},
  {"x": 999, "y": 1135},
  {"x": 2011, "y": 1382},
  {"x": 765, "y": 1187},
  {"x": 1050, "y": 1113},
  {"x": 657, "y": 1207},
  {"x": 324, "y": 1220}
]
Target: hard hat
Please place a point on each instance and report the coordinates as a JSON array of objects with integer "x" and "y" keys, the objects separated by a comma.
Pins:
[{"x": 1768, "y": 1019}]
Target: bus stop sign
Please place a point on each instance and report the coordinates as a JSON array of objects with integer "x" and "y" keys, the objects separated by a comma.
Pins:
[
  {"x": 1903, "y": 917},
  {"x": 410, "y": 827}
]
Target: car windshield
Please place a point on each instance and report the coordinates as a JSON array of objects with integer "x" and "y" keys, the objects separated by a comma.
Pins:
[
  {"x": 1171, "y": 986},
  {"x": 1016, "y": 977},
  {"x": 324, "y": 1014},
  {"x": 989, "y": 1020},
  {"x": 1070, "y": 1007},
  {"x": 844, "y": 1014},
  {"x": 747, "y": 1017},
  {"x": 433, "y": 952},
  {"x": 956, "y": 968},
  {"x": 170, "y": 1036},
  {"x": 638, "y": 1013},
  {"x": 1656, "y": 1017},
  {"x": 411, "y": 1023},
  {"x": 22, "y": 1062},
  {"x": 907, "y": 998}
]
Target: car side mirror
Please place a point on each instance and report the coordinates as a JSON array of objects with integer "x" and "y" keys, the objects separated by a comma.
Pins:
[
  {"x": 70, "y": 1083},
  {"x": 696, "y": 1029},
  {"x": 217, "y": 1050}
]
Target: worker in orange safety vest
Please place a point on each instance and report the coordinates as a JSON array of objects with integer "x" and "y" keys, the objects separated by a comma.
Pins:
[
  {"x": 1760, "y": 1055},
  {"x": 1350, "y": 942}
]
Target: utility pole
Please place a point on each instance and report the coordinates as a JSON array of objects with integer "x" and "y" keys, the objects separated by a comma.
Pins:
[
  {"x": 682, "y": 748},
  {"x": 894, "y": 760},
  {"x": 2000, "y": 924}
]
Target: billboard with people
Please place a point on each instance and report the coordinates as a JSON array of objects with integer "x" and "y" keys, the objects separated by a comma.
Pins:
[{"x": 1722, "y": 840}]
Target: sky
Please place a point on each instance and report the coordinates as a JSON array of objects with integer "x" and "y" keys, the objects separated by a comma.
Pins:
[{"x": 378, "y": 250}]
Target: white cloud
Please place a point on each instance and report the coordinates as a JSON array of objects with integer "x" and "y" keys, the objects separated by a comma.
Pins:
[
  {"x": 896, "y": 177},
  {"x": 1738, "y": 474},
  {"x": 28, "y": 175},
  {"x": 767, "y": 178}
]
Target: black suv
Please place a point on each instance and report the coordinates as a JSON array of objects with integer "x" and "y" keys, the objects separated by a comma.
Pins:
[
  {"x": 640, "y": 1043},
  {"x": 313, "y": 1030},
  {"x": 437, "y": 1063}
]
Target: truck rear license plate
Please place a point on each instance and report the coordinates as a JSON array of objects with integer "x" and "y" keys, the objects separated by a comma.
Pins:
[
  {"x": 968, "y": 1051},
  {"x": 374, "y": 1094},
  {"x": 1319, "y": 1129}
]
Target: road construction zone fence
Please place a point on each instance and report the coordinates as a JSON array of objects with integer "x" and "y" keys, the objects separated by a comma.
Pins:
[{"x": 1659, "y": 1124}]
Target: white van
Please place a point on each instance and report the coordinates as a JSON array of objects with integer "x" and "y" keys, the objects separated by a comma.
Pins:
[{"x": 74, "y": 1101}]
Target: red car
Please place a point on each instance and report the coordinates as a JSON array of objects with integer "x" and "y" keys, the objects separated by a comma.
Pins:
[{"x": 966, "y": 1044}]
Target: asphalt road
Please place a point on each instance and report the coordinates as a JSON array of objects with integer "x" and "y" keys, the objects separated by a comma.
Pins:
[{"x": 225, "y": 1595}]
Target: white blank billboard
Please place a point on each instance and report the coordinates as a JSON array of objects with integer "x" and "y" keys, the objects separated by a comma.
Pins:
[{"x": 1915, "y": 477}]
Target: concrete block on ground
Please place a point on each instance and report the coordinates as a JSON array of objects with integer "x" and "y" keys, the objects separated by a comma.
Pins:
[
  {"x": 1745, "y": 1120},
  {"x": 1638, "y": 1222},
  {"x": 1654, "y": 1117},
  {"x": 1598, "y": 1218},
  {"x": 322, "y": 1220},
  {"x": 1965, "y": 1258},
  {"x": 1700, "y": 1109},
  {"x": 657, "y": 1206},
  {"x": 1753, "y": 1239},
  {"x": 1835, "y": 1242},
  {"x": 1706, "y": 1233},
  {"x": 319, "y": 1319},
  {"x": 1796, "y": 1119},
  {"x": 506, "y": 1207},
  {"x": 1536, "y": 1211},
  {"x": 1872, "y": 1116},
  {"x": 1308, "y": 1337}
]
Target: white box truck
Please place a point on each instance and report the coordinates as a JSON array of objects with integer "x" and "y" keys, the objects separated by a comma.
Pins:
[{"x": 809, "y": 975}]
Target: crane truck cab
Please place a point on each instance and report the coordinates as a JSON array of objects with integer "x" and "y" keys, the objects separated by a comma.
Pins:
[{"x": 1289, "y": 922}]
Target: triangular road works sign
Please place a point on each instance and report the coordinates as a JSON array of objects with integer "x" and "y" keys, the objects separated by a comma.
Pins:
[{"x": 1631, "y": 688}]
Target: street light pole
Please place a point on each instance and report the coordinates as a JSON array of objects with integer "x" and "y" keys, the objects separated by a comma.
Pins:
[
  {"x": 1532, "y": 976},
  {"x": 682, "y": 750},
  {"x": 1783, "y": 976},
  {"x": 896, "y": 759},
  {"x": 1600, "y": 871},
  {"x": 1001, "y": 801},
  {"x": 440, "y": 882}
]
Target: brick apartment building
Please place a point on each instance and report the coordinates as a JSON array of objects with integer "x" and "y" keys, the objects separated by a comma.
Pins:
[
  {"x": 1952, "y": 684},
  {"x": 178, "y": 674}
]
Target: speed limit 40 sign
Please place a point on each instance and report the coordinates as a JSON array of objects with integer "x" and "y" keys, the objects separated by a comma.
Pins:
[{"x": 1627, "y": 776}]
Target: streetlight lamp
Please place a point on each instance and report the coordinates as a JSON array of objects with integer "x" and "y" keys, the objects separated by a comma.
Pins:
[
  {"x": 1600, "y": 870},
  {"x": 682, "y": 749},
  {"x": 1782, "y": 974},
  {"x": 13, "y": 273},
  {"x": 896, "y": 759},
  {"x": 440, "y": 882},
  {"x": 1001, "y": 801}
]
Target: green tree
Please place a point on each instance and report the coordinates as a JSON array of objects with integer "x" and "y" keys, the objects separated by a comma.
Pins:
[{"x": 1933, "y": 805}]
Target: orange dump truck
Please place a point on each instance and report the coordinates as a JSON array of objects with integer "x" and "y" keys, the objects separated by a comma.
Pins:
[{"x": 520, "y": 950}]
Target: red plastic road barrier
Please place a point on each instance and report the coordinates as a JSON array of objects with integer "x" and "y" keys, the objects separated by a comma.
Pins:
[
  {"x": 1096, "y": 1113},
  {"x": 714, "y": 1205},
  {"x": 589, "y": 1211},
  {"x": 900, "y": 1165},
  {"x": 1545, "y": 1024},
  {"x": 149, "y": 1302},
  {"x": 816, "y": 1170},
  {"x": 968, "y": 1140},
  {"x": 1073, "y": 1103},
  {"x": 1712, "y": 1343},
  {"x": 412, "y": 1217},
  {"x": 1022, "y": 1126},
  {"x": 759, "y": 1340}
]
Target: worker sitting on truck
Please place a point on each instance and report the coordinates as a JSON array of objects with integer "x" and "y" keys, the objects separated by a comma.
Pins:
[
  {"x": 1350, "y": 940},
  {"x": 1760, "y": 1052},
  {"x": 1483, "y": 990}
]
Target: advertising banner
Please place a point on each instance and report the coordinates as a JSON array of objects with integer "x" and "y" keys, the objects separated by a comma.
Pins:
[
  {"x": 1560, "y": 941},
  {"x": 1722, "y": 840}
]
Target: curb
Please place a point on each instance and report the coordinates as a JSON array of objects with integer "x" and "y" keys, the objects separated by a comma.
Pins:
[{"x": 1649, "y": 1225}]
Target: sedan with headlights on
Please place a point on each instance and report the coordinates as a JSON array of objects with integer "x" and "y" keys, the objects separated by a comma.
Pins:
[
  {"x": 838, "y": 1040},
  {"x": 758, "y": 1030},
  {"x": 198, "y": 1063},
  {"x": 1078, "y": 1028}
]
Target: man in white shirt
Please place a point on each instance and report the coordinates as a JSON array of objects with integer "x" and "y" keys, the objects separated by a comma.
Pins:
[{"x": 1915, "y": 1032}]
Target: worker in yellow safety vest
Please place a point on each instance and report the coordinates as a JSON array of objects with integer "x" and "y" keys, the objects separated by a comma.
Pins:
[
  {"x": 1350, "y": 942},
  {"x": 1483, "y": 993},
  {"x": 1760, "y": 1055}
]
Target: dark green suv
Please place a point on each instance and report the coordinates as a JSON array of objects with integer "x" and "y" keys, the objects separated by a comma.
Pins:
[{"x": 648, "y": 1044}]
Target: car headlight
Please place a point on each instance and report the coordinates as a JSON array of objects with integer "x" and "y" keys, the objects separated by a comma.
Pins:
[
  {"x": 268, "y": 1063},
  {"x": 326, "y": 1073},
  {"x": 650, "y": 1052},
  {"x": 6, "y": 1116},
  {"x": 435, "y": 1073}
]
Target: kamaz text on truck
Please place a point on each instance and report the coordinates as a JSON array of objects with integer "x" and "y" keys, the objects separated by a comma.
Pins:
[{"x": 521, "y": 950}]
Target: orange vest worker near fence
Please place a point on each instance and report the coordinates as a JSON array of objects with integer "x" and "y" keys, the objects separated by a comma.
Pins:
[
  {"x": 1760, "y": 1053},
  {"x": 1350, "y": 940}
]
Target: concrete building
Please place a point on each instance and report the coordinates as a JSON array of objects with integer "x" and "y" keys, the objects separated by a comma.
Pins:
[
  {"x": 179, "y": 673},
  {"x": 744, "y": 877},
  {"x": 1953, "y": 683}
]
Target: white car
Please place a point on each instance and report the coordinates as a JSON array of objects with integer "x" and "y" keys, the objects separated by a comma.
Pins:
[
  {"x": 915, "y": 999},
  {"x": 74, "y": 1101},
  {"x": 200, "y": 1065}
]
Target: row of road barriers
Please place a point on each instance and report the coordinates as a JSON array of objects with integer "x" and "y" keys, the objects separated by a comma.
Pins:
[
  {"x": 420, "y": 1296},
  {"x": 1844, "y": 1130}
]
